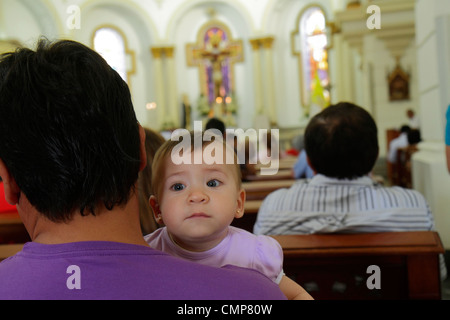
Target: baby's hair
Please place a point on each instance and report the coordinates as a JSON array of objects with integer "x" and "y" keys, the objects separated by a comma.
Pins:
[{"x": 164, "y": 154}]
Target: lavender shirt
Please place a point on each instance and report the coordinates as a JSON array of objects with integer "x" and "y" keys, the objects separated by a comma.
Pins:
[
  {"x": 111, "y": 270},
  {"x": 239, "y": 248}
]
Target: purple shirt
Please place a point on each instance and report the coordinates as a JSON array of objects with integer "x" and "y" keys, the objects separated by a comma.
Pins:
[
  {"x": 111, "y": 270},
  {"x": 239, "y": 248}
]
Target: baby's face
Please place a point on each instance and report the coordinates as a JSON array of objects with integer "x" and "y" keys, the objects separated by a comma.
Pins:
[{"x": 199, "y": 201}]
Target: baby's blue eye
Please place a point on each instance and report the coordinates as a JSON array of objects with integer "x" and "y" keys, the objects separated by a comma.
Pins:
[
  {"x": 213, "y": 183},
  {"x": 177, "y": 187}
]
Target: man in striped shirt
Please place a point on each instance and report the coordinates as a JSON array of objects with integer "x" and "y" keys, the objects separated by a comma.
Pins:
[{"x": 341, "y": 144}]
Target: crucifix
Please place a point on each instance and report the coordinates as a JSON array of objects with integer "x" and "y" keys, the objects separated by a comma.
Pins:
[{"x": 215, "y": 53}]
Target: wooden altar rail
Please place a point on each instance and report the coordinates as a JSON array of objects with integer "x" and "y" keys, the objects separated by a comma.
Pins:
[{"x": 335, "y": 266}]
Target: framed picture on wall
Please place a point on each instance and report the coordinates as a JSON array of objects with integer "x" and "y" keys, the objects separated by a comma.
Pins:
[{"x": 398, "y": 82}]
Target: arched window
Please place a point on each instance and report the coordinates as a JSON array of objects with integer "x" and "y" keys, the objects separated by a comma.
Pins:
[
  {"x": 313, "y": 43},
  {"x": 111, "y": 45}
]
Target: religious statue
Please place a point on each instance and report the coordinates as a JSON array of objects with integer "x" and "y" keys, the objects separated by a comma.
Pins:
[{"x": 215, "y": 55}]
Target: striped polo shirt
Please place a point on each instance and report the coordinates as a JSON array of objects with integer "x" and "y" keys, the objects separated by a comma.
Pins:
[{"x": 323, "y": 205}]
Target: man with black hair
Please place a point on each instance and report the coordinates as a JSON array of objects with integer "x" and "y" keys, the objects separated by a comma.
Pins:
[
  {"x": 71, "y": 149},
  {"x": 215, "y": 123},
  {"x": 342, "y": 147}
]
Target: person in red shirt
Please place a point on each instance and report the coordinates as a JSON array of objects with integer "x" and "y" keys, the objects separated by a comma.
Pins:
[{"x": 4, "y": 205}]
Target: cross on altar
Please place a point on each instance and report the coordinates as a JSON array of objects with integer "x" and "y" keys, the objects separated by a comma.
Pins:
[{"x": 214, "y": 54}]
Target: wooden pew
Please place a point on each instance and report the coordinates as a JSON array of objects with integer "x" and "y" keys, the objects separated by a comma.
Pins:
[
  {"x": 283, "y": 174},
  {"x": 12, "y": 229},
  {"x": 8, "y": 250},
  {"x": 258, "y": 190},
  {"x": 283, "y": 163},
  {"x": 403, "y": 166},
  {"x": 335, "y": 266},
  {"x": 391, "y": 134}
]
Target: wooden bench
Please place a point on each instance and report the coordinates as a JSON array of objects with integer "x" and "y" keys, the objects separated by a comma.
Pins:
[
  {"x": 12, "y": 229},
  {"x": 8, "y": 250},
  {"x": 283, "y": 174},
  {"x": 403, "y": 166},
  {"x": 283, "y": 163},
  {"x": 335, "y": 266}
]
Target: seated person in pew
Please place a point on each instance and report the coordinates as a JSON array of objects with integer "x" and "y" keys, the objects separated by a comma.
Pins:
[
  {"x": 71, "y": 149},
  {"x": 400, "y": 142},
  {"x": 342, "y": 147},
  {"x": 196, "y": 201},
  {"x": 301, "y": 168}
]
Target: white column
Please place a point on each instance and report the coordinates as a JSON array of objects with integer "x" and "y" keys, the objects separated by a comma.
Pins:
[
  {"x": 3, "y": 34},
  {"x": 268, "y": 79},
  {"x": 257, "y": 77},
  {"x": 159, "y": 81},
  {"x": 173, "y": 106}
]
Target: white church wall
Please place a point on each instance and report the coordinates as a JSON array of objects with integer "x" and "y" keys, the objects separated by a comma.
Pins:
[
  {"x": 281, "y": 23},
  {"x": 430, "y": 175},
  {"x": 389, "y": 114},
  {"x": 367, "y": 56},
  {"x": 35, "y": 18},
  {"x": 139, "y": 34}
]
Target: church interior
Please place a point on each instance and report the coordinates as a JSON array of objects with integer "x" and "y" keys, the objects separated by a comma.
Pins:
[{"x": 271, "y": 64}]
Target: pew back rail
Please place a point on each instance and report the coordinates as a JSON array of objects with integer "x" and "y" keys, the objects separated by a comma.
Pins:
[{"x": 336, "y": 266}]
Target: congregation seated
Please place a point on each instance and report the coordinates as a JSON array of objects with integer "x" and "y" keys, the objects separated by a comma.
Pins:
[{"x": 342, "y": 146}]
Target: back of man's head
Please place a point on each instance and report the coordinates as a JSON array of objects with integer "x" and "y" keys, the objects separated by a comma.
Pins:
[
  {"x": 215, "y": 123},
  {"x": 341, "y": 141},
  {"x": 69, "y": 134},
  {"x": 405, "y": 128}
]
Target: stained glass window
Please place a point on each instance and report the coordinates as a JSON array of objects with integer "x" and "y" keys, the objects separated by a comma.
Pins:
[{"x": 314, "y": 43}]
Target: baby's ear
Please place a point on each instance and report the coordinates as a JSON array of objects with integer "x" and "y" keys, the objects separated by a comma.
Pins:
[
  {"x": 240, "y": 204},
  {"x": 155, "y": 208}
]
